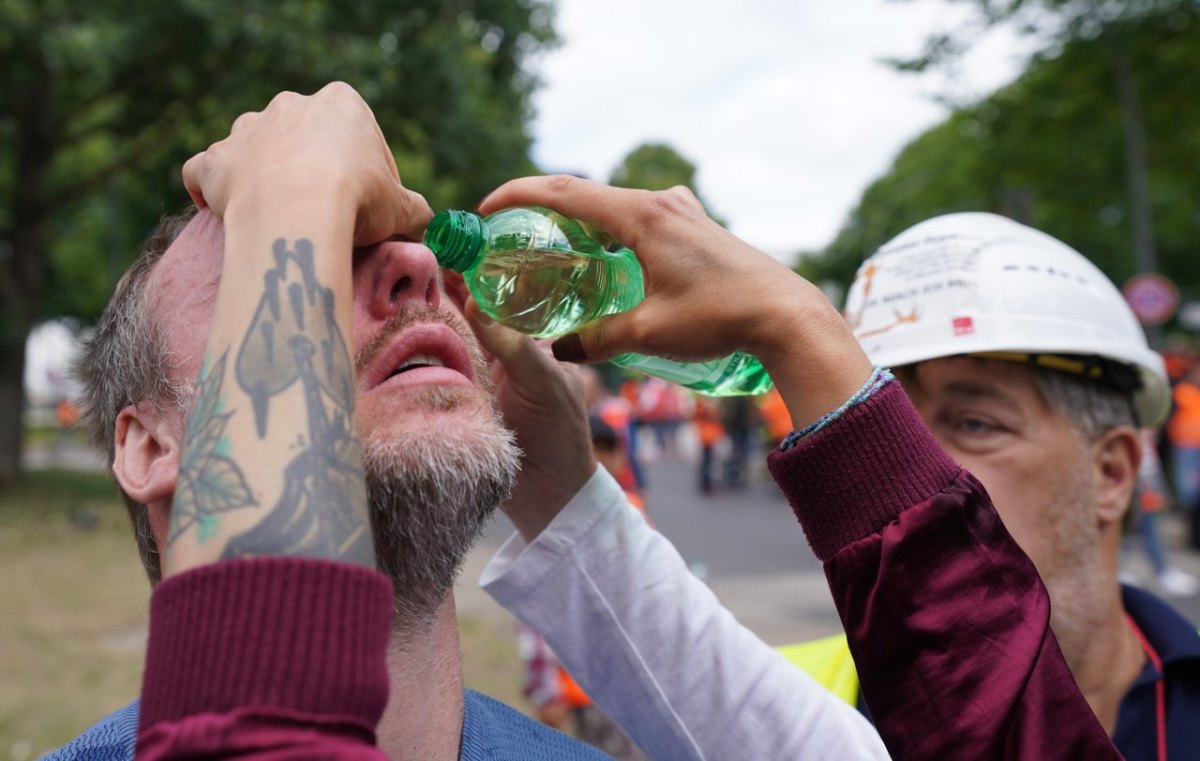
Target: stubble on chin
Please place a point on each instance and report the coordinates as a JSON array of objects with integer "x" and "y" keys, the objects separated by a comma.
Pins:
[
  {"x": 431, "y": 491},
  {"x": 434, "y": 479}
]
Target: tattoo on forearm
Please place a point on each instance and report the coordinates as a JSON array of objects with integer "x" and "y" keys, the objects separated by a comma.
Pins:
[
  {"x": 209, "y": 481},
  {"x": 294, "y": 337}
]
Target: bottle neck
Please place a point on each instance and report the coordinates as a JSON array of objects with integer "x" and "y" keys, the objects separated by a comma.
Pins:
[{"x": 456, "y": 238}]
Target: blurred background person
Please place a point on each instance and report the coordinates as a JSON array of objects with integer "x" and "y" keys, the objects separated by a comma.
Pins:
[
  {"x": 710, "y": 433},
  {"x": 618, "y": 416},
  {"x": 1183, "y": 429},
  {"x": 741, "y": 421},
  {"x": 1152, "y": 499}
]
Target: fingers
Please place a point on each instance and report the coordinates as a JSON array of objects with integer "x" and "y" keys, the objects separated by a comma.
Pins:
[
  {"x": 687, "y": 197},
  {"x": 614, "y": 209},
  {"x": 525, "y": 363},
  {"x": 605, "y": 338},
  {"x": 193, "y": 178},
  {"x": 244, "y": 121},
  {"x": 411, "y": 209}
]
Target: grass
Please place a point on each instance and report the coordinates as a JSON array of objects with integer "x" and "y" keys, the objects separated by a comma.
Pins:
[{"x": 74, "y": 602}]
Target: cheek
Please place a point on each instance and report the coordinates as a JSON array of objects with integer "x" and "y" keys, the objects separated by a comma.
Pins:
[{"x": 1018, "y": 489}]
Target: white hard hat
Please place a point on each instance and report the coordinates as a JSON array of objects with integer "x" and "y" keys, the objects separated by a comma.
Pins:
[{"x": 976, "y": 283}]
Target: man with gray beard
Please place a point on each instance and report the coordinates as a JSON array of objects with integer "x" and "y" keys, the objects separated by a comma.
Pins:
[{"x": 252, "y": 451}]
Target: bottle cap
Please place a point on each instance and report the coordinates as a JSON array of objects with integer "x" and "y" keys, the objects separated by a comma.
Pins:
[{"x": 456, "y": 238}]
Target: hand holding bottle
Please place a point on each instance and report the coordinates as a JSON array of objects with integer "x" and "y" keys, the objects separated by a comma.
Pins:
[
  {"x": 542, "y": 402},
  {"x": 707, "y": 293}
]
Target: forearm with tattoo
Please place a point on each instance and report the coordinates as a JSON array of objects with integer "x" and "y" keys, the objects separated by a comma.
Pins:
[{"x": 293, "y": 340}]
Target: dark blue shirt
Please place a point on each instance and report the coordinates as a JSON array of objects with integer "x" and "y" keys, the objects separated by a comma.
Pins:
[{"x": 1177, "y": 643}]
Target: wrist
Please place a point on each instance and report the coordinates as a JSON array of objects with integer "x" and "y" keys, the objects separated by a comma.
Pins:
[
  {"x": 291, "y": 210},
  {"x": 541, "y": 496},
  {"x": 813, "y": 357}
]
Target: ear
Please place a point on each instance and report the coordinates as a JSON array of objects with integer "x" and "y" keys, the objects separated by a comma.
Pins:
[
  {"x": 146, "y": 461},
  {"x": 1117, "y": 455}
]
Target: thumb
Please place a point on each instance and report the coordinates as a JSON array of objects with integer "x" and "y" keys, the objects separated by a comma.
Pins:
[
  {"x": 523, "y": 360},
  {"x": 604, "y": 338}
]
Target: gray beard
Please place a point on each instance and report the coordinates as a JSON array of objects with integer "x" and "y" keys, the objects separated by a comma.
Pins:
[{"x": 430, "y": 494}]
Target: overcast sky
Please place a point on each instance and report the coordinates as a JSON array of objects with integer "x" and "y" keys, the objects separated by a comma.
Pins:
[{"x": 783, "y": 106}]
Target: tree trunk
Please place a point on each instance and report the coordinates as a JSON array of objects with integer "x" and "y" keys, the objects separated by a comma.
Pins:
[
  {"x": 21, "y": 271},
  {"x": 1136, "y": 167},
  {"x": 12, "y": 372},
  {"x": 1137, "y": 171}
]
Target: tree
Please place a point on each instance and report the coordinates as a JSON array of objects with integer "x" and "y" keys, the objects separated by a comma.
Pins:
[
  {"x": 1049, "y": 150},
  {"x": 654, "y": 166},
  {"x": 101, "y": 102},
  {"x": 657, "y": 166},
  {"x": 1058, "y": 23}
]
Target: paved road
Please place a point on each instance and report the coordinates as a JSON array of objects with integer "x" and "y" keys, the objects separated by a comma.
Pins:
[{"x": 754, "y": 554}]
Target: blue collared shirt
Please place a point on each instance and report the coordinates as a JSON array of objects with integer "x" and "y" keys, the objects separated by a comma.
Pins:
[{"x": 1177, "y": 643}]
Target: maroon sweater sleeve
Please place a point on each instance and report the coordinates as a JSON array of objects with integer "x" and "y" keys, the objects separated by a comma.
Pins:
[
  {"x": 266, "y": 658},
  {"x": 948, "y": 621}
]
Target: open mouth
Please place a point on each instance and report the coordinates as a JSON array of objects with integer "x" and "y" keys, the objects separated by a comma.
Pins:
[
  {"x": 416, "y": 362},
  {"x": 421, "y": 353}
]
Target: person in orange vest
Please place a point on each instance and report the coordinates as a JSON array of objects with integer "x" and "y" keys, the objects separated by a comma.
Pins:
[
  {"x": 710, "y": 431},
  {"x": 617, "y": 413},
  {"x": 611, "y": 453},
  {"x": 1183, "y": 429},
  {"x": 775, "y": 416}
]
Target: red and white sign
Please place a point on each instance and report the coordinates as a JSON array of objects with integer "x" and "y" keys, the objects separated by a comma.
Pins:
[{"x": 1153, "y": 298}]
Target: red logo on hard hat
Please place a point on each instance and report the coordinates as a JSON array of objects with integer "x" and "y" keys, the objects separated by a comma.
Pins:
[{"x": 963, "y": 326}]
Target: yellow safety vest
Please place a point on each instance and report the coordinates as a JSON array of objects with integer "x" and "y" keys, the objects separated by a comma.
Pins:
[{"x": 828, "y": 661}]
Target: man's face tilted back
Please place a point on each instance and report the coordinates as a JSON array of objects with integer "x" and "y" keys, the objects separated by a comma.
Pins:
[{"x": 436, "y": 456}]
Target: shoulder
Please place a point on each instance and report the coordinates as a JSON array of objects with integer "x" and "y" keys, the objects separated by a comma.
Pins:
[
  {"x": 493, "y": 731},
  {"x": 111, "y": 739},
  {"x": 1173, "y": 637}
]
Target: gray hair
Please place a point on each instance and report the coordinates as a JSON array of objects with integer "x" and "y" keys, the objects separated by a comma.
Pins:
[
  {"x": 125, "y": 361},
  {"x": 1092, "y": 408}
]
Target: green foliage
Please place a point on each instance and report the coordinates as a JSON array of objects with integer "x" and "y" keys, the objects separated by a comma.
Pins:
[
  {"x": 1048, "y": 151},
  {"x": 1049, "y": 21},
  {"x": 101, "y": 102},
  {"x": 654, "y": 166},
  {"x": 657, "y": 166}
]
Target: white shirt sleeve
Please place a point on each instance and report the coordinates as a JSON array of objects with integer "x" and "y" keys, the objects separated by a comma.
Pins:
[{"x": 653, "y": 647}]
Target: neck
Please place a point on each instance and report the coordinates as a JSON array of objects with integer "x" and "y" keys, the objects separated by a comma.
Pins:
[
  {"x": 424, "y": 714},
  {"x": 1103, "y": 653}
]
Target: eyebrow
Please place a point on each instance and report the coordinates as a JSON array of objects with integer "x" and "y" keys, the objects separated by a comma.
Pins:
[{"x": 980, "y": 391}]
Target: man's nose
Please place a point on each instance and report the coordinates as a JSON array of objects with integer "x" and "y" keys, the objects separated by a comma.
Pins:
[{"x": 394, "y": 275}]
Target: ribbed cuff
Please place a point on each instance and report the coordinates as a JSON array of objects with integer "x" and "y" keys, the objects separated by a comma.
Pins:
[
  {"x": 283, "y": 633},
  {"x": 855, "y": 476}
]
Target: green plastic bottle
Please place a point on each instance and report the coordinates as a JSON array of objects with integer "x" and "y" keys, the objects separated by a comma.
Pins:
[{"x": 544, "y": 274}]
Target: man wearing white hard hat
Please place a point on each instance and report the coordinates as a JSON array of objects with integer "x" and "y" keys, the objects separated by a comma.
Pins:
[
  {"x": 1024, "y": 362},
  {"x": 1032, "y": 372},
  {"x": 947, "y": 618}
]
